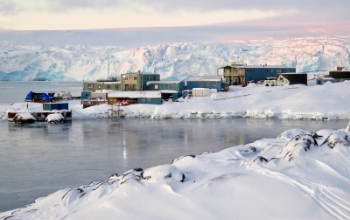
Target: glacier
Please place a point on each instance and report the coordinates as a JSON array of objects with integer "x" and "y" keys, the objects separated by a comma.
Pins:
[{"x": 20, "y": 61}]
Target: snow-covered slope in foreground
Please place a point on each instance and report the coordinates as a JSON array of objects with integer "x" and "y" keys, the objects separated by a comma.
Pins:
[
  {"x": 19, "y": 62},
  {"x": 299, "y": 175}
]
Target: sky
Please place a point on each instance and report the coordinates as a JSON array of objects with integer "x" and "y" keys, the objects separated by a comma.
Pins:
[{"x": 175, "y": 20}]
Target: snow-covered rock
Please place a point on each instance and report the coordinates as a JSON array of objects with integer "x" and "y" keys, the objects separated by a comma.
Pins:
[
  {"x": 253, "y": 181},
  {"x": 54, "y": 118},
  {"x": 24, "y": 117}
]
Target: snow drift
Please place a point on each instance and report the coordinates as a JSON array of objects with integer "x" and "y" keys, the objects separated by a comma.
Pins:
[{"x": 299, "y": 175}]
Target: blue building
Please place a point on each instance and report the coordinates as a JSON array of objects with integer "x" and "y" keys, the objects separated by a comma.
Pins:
[
  {"x": 169, "y": 89},
  {"x": 238, "y": 73},
  {"x": 135, "y": 97},
  {"x": 322, "y": 81},
  {"x": 211, "y": 82}
]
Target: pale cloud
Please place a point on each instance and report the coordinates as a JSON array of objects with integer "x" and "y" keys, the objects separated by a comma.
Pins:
[
  {"x": 92, "y": 14},
  {"x": 141, "y": 16},
  {"x": 7, "y": 7}
]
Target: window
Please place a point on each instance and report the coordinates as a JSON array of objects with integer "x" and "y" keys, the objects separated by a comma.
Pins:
[
  {"x": 214, "y": 84},
  {"x": 166, "y": 85},
  {"x": 271, "y": 71},
  {"x": 279, "y": 71},
  {"x": 148, "y": 99},
  {"x": 126, "y": 78},
  {"x": 108, "y": 86},
  {"x": 135, "y": 78},
  {"x": 143, "y": 99},
  {"x": 155, "y": 86},
  {"x": 90, "y": 86},
  {"x": 208, "y": 84},
  {"x": 99, "y": 86},
  {"x": 201, "y": 84}
]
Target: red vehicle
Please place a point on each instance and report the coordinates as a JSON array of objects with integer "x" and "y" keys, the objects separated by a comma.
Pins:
[{"x": 248, "y": 82}]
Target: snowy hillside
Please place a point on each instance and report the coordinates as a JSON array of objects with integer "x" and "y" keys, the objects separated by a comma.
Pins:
[
  {"x": 298, "y": 175},
  {"x": 173, "y": 61}
]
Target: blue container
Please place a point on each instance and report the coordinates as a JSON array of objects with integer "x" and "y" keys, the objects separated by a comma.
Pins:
[
  {"x": 51, "y": 106},
  {"x": 63, "y": 106}
]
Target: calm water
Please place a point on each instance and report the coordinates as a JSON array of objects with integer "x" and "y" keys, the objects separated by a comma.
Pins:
[
  {"x": 17, "y": 91},
  {"x": 40, "y": 158}
]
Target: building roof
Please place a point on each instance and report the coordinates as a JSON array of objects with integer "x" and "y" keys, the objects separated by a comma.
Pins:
[
  {"x": 204, "y": 79},
  {"x": 109, "y": 83},
  {"x": 162, "y": 82},
  {"x": 135, "y": 94},
  {"x": 141, "y": 73},
  {"x": 291, "y": 73},
  {"x": 260, "y": 67},
  {"x": 169, "y": 91}
]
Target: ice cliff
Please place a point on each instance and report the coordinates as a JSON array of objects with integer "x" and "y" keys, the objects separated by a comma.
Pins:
[{"x": 25, "y": 62}]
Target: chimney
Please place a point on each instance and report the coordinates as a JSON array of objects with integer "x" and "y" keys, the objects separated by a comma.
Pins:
[{"x": 139, "y": 72}]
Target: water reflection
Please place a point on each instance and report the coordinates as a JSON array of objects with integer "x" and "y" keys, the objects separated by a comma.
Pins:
[{"x": 41, "y": 158}]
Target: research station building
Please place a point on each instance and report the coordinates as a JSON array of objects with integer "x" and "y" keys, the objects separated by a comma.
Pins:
[
  {"x": 238, "y": 73},
  {"x": 210, "y": 82}
]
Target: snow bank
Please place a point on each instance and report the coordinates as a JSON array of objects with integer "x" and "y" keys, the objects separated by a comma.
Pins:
[
  {"x": 299, "y": 175},
  {"x": 257, "y": 101}
]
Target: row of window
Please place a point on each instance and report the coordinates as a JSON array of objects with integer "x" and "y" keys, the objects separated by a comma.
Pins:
[
  {"x": 148, "y": 99},
  {"x": 130, "y": 77},
  {"x": 91, "y": 86},
  {"x": 208, "y": 84},
  {"x": 266, "y": 71}
]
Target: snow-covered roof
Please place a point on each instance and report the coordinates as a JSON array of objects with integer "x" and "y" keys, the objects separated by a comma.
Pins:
[
  {"x": 328, "y": 78},
  {"x": 162, "y": 82},
  {"x": 292, "y": 73},
  {"x": 169, "y": 91},
  {"x": 258, "y": 66},
  {"x": 135, "y": 94},
  {"x": 115, "y": 82},
  {"x": 103, "y": 91},
  {"x": 204, "y": 79}
]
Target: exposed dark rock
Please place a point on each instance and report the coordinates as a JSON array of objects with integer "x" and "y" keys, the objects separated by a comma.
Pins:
[
  {"x": 114, "y": 175},
  {"x": 167, "y": 176},
  {"x": 145, "y": 177},
  {"x": 250, "y": 149},
  {"x": 183, "y": 178},
  {"x": 138, "y": 169},
  {"x": 302, "y": 141},
  {"x": 339, "y": 138},
  {"x": 261, "y": 159}
]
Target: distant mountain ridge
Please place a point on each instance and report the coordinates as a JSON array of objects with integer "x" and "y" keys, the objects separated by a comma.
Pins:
[{"x": 19, "y": 62}]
